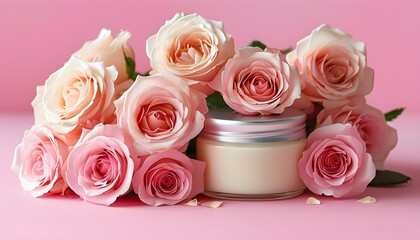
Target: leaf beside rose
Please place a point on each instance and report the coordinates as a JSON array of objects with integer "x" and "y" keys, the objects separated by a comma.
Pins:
[
  {"x": 391, "y": 115},
  {"x": 215, "y": 100},
  {"x": 130, "y": 66},
  {"x": 387, "y": 178}
]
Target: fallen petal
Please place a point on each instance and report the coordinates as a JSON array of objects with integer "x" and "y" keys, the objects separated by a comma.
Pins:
[
  {"x": 211, "y": 204},
  {"x": 367, "y": 199},
  {"x": 192, "y": 203},
  {"x": 312, "y": 201}
]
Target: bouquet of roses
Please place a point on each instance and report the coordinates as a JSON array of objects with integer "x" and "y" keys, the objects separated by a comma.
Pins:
[
  {"x": 102, "y": 129},
  {"x": 101, "y": 134}
]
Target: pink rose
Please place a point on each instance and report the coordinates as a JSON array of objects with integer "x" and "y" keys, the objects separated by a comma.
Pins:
[
  {"x": 168, "y": 177},
  {"x": 160, "y": 112},
  {"x": 190, "y": 47},
  {"x": 379, "y": 137},
  {"x": 305, "y": 104},
  {"x": 332, "y": 66},
  {"x": 39, "y": 162},
  {"x": 258, "y": 82},
  {"x": 109, "y": 50},
  {"x": 335, "y": 162},
  {"x": 79, "y": 95},
  {"x": 99, "y": 168}
]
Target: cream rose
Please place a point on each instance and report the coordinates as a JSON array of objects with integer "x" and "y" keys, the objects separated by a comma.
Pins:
[
  {"x": 79, "y": 95},
  {"x": 39, "y": 162},
  {"x": 190, "y": 47},
  {"x": 332, "y": 66},
  {"x": 105, "y": 48},
  {"x": 160, "y": 112},
  {"x": 380, "y": 138},
  {"x": 255, "y": 81}
]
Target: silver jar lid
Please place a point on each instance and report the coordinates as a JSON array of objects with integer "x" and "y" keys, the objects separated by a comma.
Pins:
[{"x": 226, "y": 125}]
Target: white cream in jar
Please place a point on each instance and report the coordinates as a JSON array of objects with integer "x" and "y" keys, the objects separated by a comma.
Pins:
[{"x": 252, "y": 157}]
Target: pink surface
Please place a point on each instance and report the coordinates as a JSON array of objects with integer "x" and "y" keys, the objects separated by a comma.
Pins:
[
  {"x": 37, "y": 37},
  {"x": 395, "y": 215}
]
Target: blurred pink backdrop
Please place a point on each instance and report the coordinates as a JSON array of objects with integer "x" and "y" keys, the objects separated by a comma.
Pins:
[{"x": 37, "y": 37}]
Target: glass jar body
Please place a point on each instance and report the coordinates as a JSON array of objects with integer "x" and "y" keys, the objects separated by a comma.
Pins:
[{"x": 254, "y": 170}]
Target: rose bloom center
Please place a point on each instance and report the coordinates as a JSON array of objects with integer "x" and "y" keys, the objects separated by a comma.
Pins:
[
  {"x": 190, "y": 49},
  {"x": 256, "y": 84},
  {"x": 333, "y": 162},
  {"x": 157, "y": 119}
]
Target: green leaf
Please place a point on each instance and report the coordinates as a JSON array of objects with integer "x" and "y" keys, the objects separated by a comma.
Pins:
[
  {"x": 310, "y": 126},
  {"x": 130, "y": 67},
  {"x": 391, "y": 115},
  {"x": 387, "y": 178},
  {"x": 261, "y": 45},
  {"x": 286, "y": 51},
  {"x": 257, "y": 44},
  {"x": 216, "y": 101},
  {"x": 191, "y": 151}
]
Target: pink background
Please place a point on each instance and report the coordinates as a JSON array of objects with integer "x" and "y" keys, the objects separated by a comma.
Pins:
[{"x": 37, "y": 37}]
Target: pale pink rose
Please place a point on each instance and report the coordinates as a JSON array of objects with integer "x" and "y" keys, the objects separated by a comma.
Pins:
[
  {"x": 168, "y": 177},
  {"x": 258, "y": 81},
  {"x": 160, "y": 112},
  {"x": 39, "y": 162},
  {"x": 335, "y": 162},
  {"x": 79, "y": 95},
  {"x": 380, "y": 138},
  {"x": 105, "y": 48},
  {"x": 190, "y": 47},
  {"x": 305, "y": 104},
  {"x": 99, "y": 168},
  {"x": 332, "y": 66}
]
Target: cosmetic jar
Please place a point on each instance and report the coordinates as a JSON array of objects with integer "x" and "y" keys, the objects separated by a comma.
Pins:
[{"x": 252, "y": 157}]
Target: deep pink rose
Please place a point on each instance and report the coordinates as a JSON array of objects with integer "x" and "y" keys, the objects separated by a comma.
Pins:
[
  {"x": 160, "y": 112},
  {"x": 99, "y": 168},
  {"x": 79, "y": 95},
  {"x": 258, "y": 81},
  {"x": 105, "y": 48},
  {"x": 168, "y": 177},
  {"x": 380, "y": 138},
  {"x": 335, "y": 162},
  {"x": 190, "y": 47},
  {"x": 332, "y": 66},
  {"x": 39, "y": 162}
]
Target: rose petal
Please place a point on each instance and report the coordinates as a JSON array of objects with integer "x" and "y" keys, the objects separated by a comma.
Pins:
[
  {"x": 367, "y": 199},
  {"x": 192, "y": 203},
  {"x": 312, "y": 201},
  {"x": 211, "y": 204}
]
